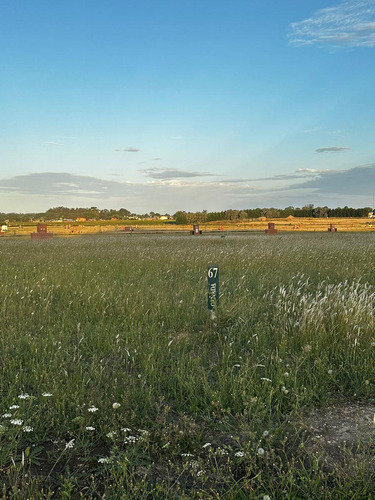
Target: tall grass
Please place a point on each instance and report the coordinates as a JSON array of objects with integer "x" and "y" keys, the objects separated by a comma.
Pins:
[{"x": 114, "y": 381}]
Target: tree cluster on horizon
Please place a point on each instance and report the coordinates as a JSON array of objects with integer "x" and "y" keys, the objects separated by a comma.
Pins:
[{"x": 182, "y": 217}]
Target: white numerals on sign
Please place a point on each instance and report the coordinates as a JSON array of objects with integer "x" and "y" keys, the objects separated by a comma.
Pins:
[{"x": 212, "y": 287}]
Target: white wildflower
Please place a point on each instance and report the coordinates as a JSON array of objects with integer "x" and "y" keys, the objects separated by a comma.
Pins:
[
  {"x": 200, "y": 473},
  {"x": 103, "y": 460},
  {"x": 187, "y": 455},
  {"x": 7, "y": 415},
  {"x": 330, "y": 372},
  {"x": 90, "y": 428},
  {"x": 70, "y": 444},
  {"x": 286, "y": 374},
  {"x": 144, "y": 432},
  {"x": 221, "y": 451},
  {"x": 28, "y": 428},
  {"x": 13, "y": 407},
  {"x": 126, "y": 429},
  {"x": 239, "y": 454},
  {"x": 116, "y": 405},
  {"x": 266, "y": 497},
  {"x": 24, "y": 396},
  {"x": 206, "y": 445},
  {"x": 47, "y": 394},
  {"x": 92, "y": 409},
  {"x": 266, "y": 379},
  {"x": 134, "y": 439},
  {"x": 260, "y": 451},
  {"x": 265, "y": 433},
  {"x": 111, "y": 434},
  {"x": 16, "y": 421}
]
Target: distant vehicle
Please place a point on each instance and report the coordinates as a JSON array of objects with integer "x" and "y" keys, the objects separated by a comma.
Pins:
[{"x": 4, "y": 228}]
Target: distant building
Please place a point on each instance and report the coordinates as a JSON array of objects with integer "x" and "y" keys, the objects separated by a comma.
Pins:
[{"x": 81, "y": 219}]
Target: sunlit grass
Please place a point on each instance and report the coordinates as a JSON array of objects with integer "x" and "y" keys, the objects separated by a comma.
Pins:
[{"x": 116, "y": 382}]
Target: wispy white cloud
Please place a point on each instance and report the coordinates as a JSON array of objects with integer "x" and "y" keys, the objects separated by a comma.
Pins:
[
  {"x": 322, "y": 130},
  {"x": 129, "y": 149},
  {"x": 336, "y": 132},
  {"x": 52, "y": 143},
  {"x": 312, "y": 130},
  {"x": 331, "y": 149},
  {"x": 349, "y": 24},
  {"x": 311, "y": 171},
  {"x": 61, "y": 183},
  {"x": 172, "y": 173}
]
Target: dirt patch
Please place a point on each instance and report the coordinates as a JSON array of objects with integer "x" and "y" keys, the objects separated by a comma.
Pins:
[{"x": 342, "y": 433}]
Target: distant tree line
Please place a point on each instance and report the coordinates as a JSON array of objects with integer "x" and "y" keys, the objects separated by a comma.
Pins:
[
  {"x": 65, "y": 213},
  {"x": 271, "y": 213},
  {"x": 182, "y": 217}
]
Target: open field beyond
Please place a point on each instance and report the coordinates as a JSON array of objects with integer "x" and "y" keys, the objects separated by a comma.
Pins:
[
  {"x": 114, "y": 381},
  {"x": 289, "y": 224}
]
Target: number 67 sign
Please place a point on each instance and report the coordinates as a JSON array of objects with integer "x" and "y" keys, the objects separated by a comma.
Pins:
[{"x": 213, "y": 286}]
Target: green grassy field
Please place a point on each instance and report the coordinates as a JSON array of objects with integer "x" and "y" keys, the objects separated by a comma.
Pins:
[{"x": 114, "y": 382}]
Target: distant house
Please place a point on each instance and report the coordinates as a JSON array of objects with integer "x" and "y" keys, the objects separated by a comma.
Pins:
[
  {"x": 81, "y": 219},
  {"x": 163, "y": 217}
]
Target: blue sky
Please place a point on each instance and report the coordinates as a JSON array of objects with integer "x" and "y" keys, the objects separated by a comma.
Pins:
[{"x": 168, "y": 105}]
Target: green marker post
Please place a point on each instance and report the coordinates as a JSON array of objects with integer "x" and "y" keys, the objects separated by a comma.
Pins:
[{"x": 213, "y": 290}]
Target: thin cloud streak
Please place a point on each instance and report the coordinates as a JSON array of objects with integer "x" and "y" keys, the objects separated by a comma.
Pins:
[
  {"x": 349, "y": 24},
  {"x": 313, "y": 171},
  {"x": 55, "y": 184},
  {"x": 128, "y": 150},
  {"x": 172, "y": 173},
  {"x": 331, "y": 149}
]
